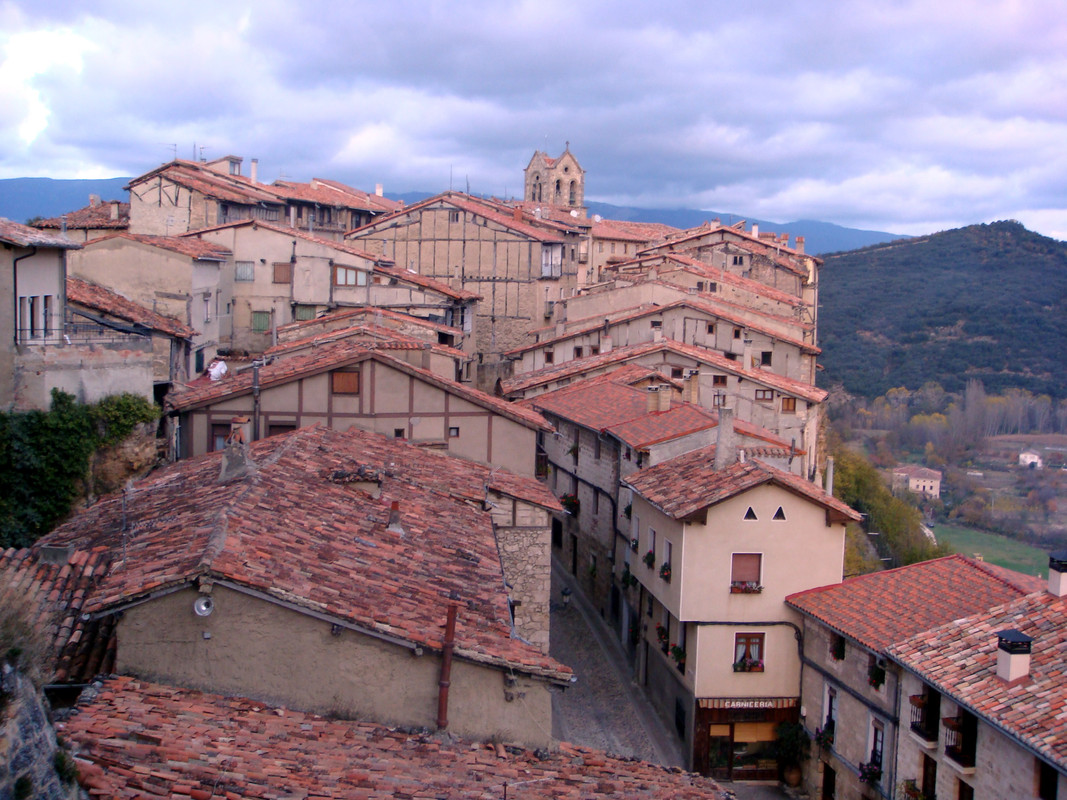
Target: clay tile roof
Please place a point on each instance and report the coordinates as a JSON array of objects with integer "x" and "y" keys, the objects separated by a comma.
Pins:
[
  {"x": 191, "y": 247},
  {"x": 97, "y": 216},
  {"x": 136, "y": 739},
  {"x": 55, "y": 586},
  {"x": 618, "y": 355},
  {"x": 689, "y": 483},
  {"x": 333, "y": 193},
  {"x": 295, "y": 529},
  {"x": 371, "y": 335},
  {"x": 880, "y": 608},
  {"x": 653, "y": 428},
  {"x": 334, "y": 354},
  {"x": 24, "y": 236},
  {"x": 959, "y": 658},
  {"x": 373, "y": 313},
  {"x": 200, "y": 178},
  {"x": 916, "y": 471},
  {"x": 98, "y": 298}
]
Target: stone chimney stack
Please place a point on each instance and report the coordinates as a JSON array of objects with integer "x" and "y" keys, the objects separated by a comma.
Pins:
[
  {"x": 236, "y": 460},
  {"x": 1057, "y": 573},
  {"x": 725, "y": 447},
  {"x": 799, "y": 247},
  {"x": 1013, "y": 655},
  {"x": 692, "y": 387},
  {"x": 115, "y": 209},
  {"x": 653, "y": 399},
  {"x": 664, "y": 397}
]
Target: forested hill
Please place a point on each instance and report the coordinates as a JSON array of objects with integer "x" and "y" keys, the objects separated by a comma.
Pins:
[{"x": 986, "y": 302}]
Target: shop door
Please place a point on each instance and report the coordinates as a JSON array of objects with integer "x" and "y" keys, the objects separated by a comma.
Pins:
[{"x": 720, "y": 752}]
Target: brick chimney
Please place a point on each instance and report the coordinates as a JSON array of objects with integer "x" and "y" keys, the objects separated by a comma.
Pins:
[
  {"x": 799, "y": 247},
  {"x": 1057, "y": 573},
  {"x": 394, "y": 525},
  {"x": 724, "y": 442},
  {"x": 1013, "y": 655}
]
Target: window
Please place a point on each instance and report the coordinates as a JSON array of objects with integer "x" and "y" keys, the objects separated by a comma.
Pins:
[
  {"x": 967, "y": 792},
  {"x": 830, "y": 706},
  {"x": 596, "y": 447},
  {"x": 453, "y": 433},
  {"x": 260, "y": 321},
  {"x": 207, "y": 307},
  {"x": 345, "y": 382},
  {"x": 746, "y": 571},
  {"x": 739, "y": 261},
  {"x": 244, "y": 271},
  {"x": 750, "y": 514},
  {"x": 700, "y": 286},
  {"x": 276, "y": 428},
  {"x": 219, "y": 433},
  {"x": 453, "y": 216},
  {"x": 765, "y": 358},
  {"x": 877, "y": 741},
  {"x": 349, "y": 276},
  {"x": 718, "y": 380},
  {"x": 764, "y": 395},
  {"x": 577, "y": 352},
  {"x": 550, "y": 356},
  {"x": 748, "y": 652},
  {"x": 399, "y": 433},
  {"x": 626, "y": 455},
  {"x": 711, "y": 329},
  {"x": 600, "y": 247},
  {"x": 613, "y": 248},
  {"x": 789, "y": 405},
  {"x": 668, "y": 552},
  {"x": 737, "y": 333},
  {"x": 657, "y": 324},
  {"x": 779, "y": 514},
  {"x": 961, "y": 738},
  {"x": 283, "y": 272},
  {"x": 676, "y": 374},
  {"x": 719, "y": 400},
  {"x": 1047, "y": 778},
  {"x": 302, "y": 313},
  {"x": 652, "y": 542}
]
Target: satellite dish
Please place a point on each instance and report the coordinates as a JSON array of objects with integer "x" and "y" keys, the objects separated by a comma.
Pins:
[
  {"x": 203, "y": 606},
  {"x": 574, "y": 213}
]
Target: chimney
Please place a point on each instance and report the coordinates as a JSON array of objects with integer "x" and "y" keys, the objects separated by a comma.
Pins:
[
  {"x": 94, "y": 200},
  {"x": 799, "y": 247},
  {"x": 394, "y": 525},
  {"x": 653, "y": 399},
  {"x": 1013, "y": 655},
  {"x": 724, "y": 443},
  {"x": 830, "y": 475},
  {"x": 114, "y": 209},
  {"x": 755, "y": 230},
  {"x": 254, "y": 176},
  {"x": 516, "y": 214},
  {"x": 1057, "y": 573},
  {"x": 657, "y": 334},
  {"x": 236, "y": 461},
  {"x": 664, "y": 398},
  {"x": 379, "y": 190},
  {"x": 692, "y": 387}
]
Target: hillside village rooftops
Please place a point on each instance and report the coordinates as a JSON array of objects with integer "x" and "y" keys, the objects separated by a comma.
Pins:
[
  {"x": 297, "y": 529},
  {"x": 689, "y": 483},
  {"x": 95, "y": 216},
  {"x": 624, "y": 230},
  {"x": 212, "y": 183},
  {"x": 769, "y": 245},
  {"x": 376, "y": 314},
  {"x": 336, "y": 354},
  {"x": 193, "y": 248},
  {"x": 371, "y": 335},
  {"x": 135, "y": 738},
  {"x": 881, "y": 608},
  {"x": 959, "y": 658},
  {"x": 97, "y": 298},
  {"x": 25, "y": 236},
  {"x": 619, "y": 355},
  {"x": 335, "y": 194}
]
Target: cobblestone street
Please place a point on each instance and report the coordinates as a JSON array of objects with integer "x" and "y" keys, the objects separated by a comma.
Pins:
[{"x": 604, "y": 709}]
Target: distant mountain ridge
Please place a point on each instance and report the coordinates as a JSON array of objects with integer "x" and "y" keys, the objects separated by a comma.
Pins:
[
  {"x": 986, "y": 301},
  {"x": 22, "y": 199}
]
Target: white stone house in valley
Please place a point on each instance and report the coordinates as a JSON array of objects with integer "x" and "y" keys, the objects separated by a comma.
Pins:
[
  {"x": 341, "y": 573},
  {"x": 717, "y": 543}
]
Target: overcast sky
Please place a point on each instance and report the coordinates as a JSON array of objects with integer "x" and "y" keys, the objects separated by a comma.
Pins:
[{"x": 907, "y": 117}]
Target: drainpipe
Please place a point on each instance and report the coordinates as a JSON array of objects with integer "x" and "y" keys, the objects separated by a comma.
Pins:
[
  {"x": 446, "y": 667},
  {"x": 255, "y": 399},
  {"x": 15, "y": 287}
]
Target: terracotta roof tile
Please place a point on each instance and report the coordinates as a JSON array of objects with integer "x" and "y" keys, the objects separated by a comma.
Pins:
[
  {"x": 371, "y": 335},
  {"x": 98, "y": 298},
  {"x": 333, "y": 193},
  {"x": 297, "y": 529},
  {"x": 959, "y": 658},
  {"x": 689, "y": 483},
  {"x": 96, "y": 216},
  {"x": 24, "y": 236},
  {"x": 880, "y": 608},
  {"x": 56, "y": 587},
  {"x": 193, "y": 248},
  {"x": 339, "y": 353},
  {"x": 375, "y": 314},
  {"x": 136, "y": 739}
]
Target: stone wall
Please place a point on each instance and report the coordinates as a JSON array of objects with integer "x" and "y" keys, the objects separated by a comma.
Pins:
[
  {"x": 28, "y": 743},
  {"x": 523, "y": 539}
]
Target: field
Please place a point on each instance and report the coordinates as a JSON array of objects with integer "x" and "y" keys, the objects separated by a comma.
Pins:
[{"x": 995, "y": 549}]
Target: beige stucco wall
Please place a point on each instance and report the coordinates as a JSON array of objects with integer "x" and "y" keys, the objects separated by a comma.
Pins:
[
  {"x": 90, "y": 372},
  {"x": 255, "y": 648},
  {"x": 160, "y": 207}
]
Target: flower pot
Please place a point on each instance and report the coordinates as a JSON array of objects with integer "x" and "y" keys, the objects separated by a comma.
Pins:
[{"x": 792, "y": 775}]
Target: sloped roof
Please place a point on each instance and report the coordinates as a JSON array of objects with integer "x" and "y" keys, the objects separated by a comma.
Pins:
[
  {"x": 578, "y": 366},
  {"x": 55, "y": 587},
  {"x": 136, "y": 739},
  {"x": 98, "y": 298},
  {"x": 95, "y": 216},
  {"x": 298, "y": 530},
  {"x": 193, "y": 248},
  {"x": 375, "y": 313},
  {"x": 373, "y": 336},
  {"x": 959, "y": 658},
  {"x": 333, "y": 193},
  {"x": 201, "y": 178},
  {"x": 781, "y": 254},
  {"x": 689, "y": 483},
  {"x": 880, "y": 608},
  {"x": 340, "y": 353},
  {"x": 916, "y": 471},
  {"x": 25, "y": 236}
]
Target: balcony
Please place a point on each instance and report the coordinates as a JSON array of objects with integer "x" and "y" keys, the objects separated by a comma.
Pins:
[
  {"x": 961, "y": 739},
  {"x": 924, "y": 711}
]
